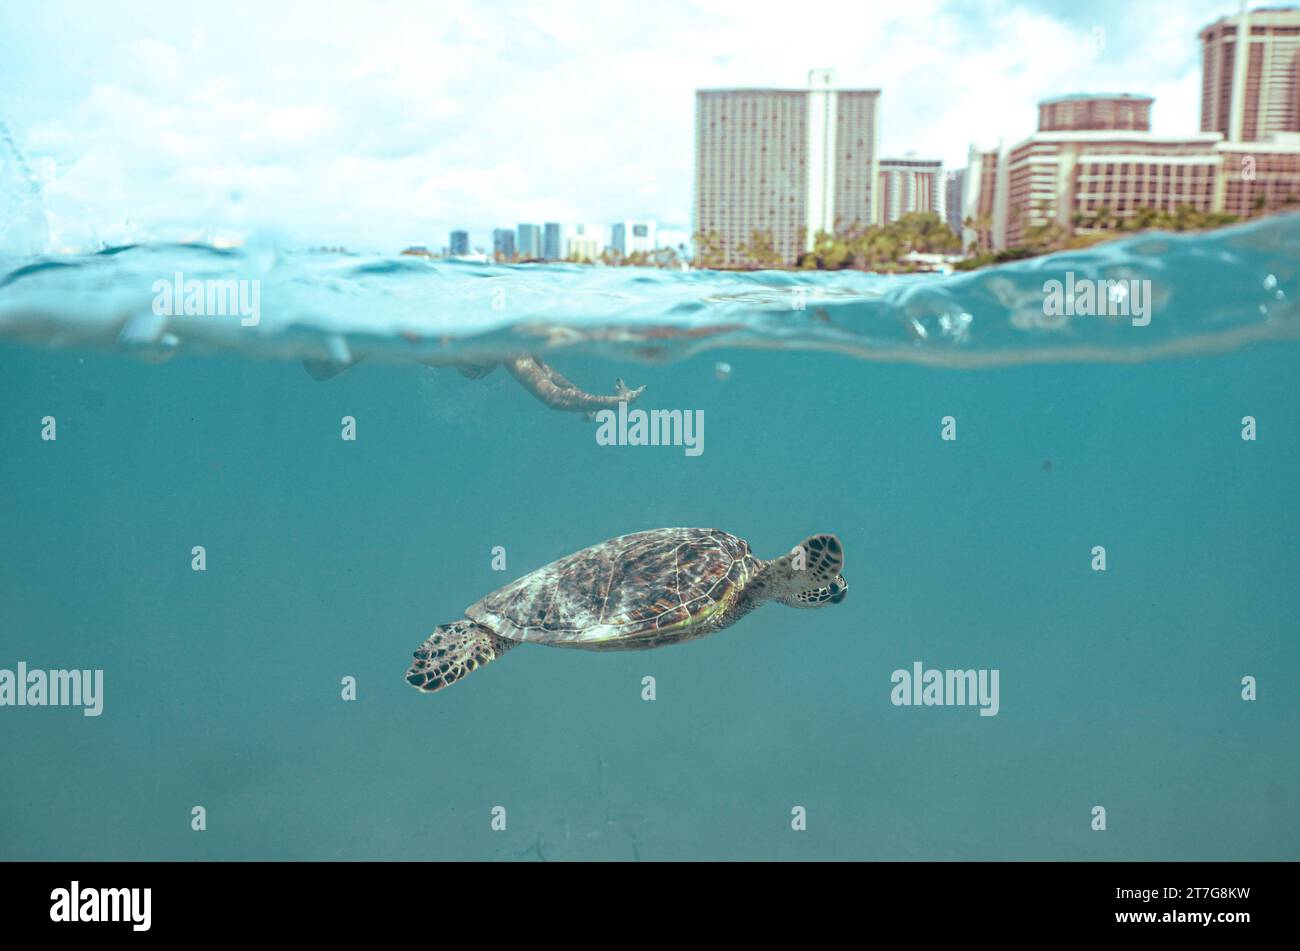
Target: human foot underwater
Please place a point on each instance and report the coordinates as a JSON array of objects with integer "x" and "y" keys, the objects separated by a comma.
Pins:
[
  {"x": 634, "y": 592},
  {"x": 535, "y": 375}
]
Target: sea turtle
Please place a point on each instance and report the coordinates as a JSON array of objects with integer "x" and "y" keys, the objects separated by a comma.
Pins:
[
  {"x": 631, "y": 593},
  {"x": 535, "y": 375}
]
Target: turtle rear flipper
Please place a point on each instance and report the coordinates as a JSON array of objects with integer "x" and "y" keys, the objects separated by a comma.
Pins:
[
  {"x": 550, "y": 386},
  {"x": 323, "y": 369},
  {"x": 328, "y": 368},
  {"x": 475, "y": 371},
  {"x": 808, "y": 577},
  {"x": 452, "y": 651}
]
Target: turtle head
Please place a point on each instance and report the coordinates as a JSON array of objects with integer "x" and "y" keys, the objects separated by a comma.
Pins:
[
  {"x": 832, "y": 593},
  {"x": 810, "y": 576}
]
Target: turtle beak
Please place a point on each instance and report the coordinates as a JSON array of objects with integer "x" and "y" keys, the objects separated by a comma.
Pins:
[{"x": 839, "y": 588}]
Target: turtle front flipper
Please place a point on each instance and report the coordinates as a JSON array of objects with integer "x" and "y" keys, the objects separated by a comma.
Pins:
[
  {"x": 555, "y": 391},
  {"x": 808, "y": 577},
  {"x": 452, "y": 651}
]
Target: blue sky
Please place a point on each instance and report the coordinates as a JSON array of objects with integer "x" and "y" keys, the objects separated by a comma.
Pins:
[{"x": 385, "y": 124}]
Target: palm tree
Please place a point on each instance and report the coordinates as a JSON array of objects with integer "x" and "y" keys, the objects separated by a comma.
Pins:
[
  {"x": 708, "y": 249},
  {"x": 760, "y": 251}
]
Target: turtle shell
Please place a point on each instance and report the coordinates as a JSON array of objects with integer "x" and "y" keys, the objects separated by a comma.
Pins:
[{"x": 637, "y": 590}]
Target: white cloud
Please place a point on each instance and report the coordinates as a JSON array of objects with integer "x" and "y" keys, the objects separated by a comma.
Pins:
[{"x": 380, "y": 125}]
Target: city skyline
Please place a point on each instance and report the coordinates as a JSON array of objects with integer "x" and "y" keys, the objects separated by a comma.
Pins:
[
  {"x": 351, "y": 149},
  {"x": 528, "y": 241}
]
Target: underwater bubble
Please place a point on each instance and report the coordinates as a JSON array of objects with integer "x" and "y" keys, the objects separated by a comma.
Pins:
[
  {"x": 956, "y": 326},
  {"x": 722, "y": 370},
  {"x": 1270, "y": 282}
]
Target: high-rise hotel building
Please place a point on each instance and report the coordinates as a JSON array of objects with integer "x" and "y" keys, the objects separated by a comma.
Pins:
[
  {"x": 784, "y": 163},
  {"x": 1253, "y": 101},
  {"x": 981, "y": 210},
  {"x": 909, "y": 185},
  {"x": 1246, "y": 97}
]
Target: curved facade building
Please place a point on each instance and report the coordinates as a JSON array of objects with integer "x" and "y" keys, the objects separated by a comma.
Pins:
[{"x": 1094, "y": 113}]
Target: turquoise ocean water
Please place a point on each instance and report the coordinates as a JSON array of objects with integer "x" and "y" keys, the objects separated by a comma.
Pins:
[{"x": 329, "y": 559}]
